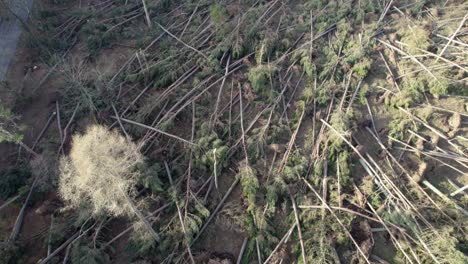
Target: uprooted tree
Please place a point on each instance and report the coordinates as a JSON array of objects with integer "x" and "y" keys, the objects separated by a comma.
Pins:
[{"x": 100, "y": 173}]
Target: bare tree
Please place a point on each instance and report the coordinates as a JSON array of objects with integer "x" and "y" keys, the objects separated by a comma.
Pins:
[{"x": 100, "y": 172}]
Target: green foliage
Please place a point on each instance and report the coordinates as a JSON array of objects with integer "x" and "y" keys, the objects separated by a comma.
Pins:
[
  {"x": 418, "y": 6},
  {"x": 323, "y": 94},
  {"x": 342, "y": 123},
  {"x": 265, "y": 232},
  {"x": 412, "y": 93},
  {"x": 11, "y": 180},
  {"x": 458, "y": 89},
  {"x": 320, "y": 253},
  {"x": 149, "y": 177},
  {"x": 343, "y": 160},
  {"x": 194, "y": 220},
  {"x": 328, "y": 63},
  {"x": 9, "y": 253},
  {"x": 398, "y": 127},
  {"x": 322, "y": 233},
  {"x": 304, "y": 58},
  {"x": 318, "y": 171},
  {"x": 8, "y": 126},
  {"x": 260, "y": 78},
  {"x": 268, "y": 31},
  {"x": 271, "y": 197},
  {"x": 268, "y": 133},
  {"x": 249, "y": 252},
  {"x": 362, "y": 68},
  {"x": 249, "y": 186},
  {"x": 96, "y": 35},
  {"x": 79, "y": 86},
  {"x": 141, "y": 243},
  {"x": 295, "y": 167},
  {"x": 81, "y": 253},
  {"x": 265, "y": 49},
  {"x": 438, "y": 87},
  {"x": 308, "y": 93},
  {"x": 162, "y": 74},
  {"x": 363, "y": 93},
  {"x": 218, "y": 13},
  {"x": 416, "y": 37},
  {"x": 300, "y": 107},
  {"x": 443, "y": 247},
  {"x": 238, "y": 49},
  {"x": 193, "y": 224},
  {"x": 256, "y": 144},
  {"x": 211, "y": 153},
  {"x": 432, "y": 245},
  {"x": 371, "y": 190}
]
